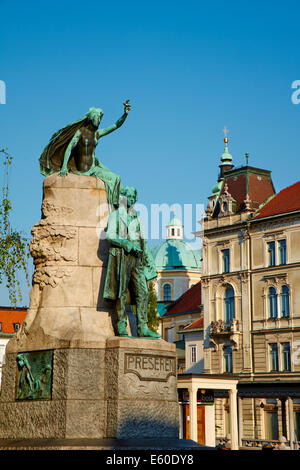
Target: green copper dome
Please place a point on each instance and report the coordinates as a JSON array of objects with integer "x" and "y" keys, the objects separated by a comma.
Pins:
[
  {"x": 176, "y": 254},
  {"x": 217, "y": 187}
]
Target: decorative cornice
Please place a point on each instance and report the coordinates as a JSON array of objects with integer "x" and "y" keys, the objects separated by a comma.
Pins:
[{"x": 277, "y": 279}]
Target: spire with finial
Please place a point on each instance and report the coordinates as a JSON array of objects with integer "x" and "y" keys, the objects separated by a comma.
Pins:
[
  {"x": 226, "y": 158},
  {"x": 247, "y": 158}
]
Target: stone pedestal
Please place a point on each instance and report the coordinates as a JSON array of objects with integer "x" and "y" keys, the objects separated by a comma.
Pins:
[
  {"x": 141, "y": 389},
  {"x": 67, "y": 377},
  {"x": 70, "y": 255},
  {"x": 125, "y": 390}
]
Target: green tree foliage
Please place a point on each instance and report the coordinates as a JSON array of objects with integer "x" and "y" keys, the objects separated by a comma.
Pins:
[
  {"x": 14, "y": 251},
  {"x": 153, "y": 320}
]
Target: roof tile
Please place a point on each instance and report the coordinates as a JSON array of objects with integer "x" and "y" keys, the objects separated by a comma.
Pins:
[
  {"x": 287, "y": 200},
  {"x": 9, "y": 316},
  {"x": 189, "y": 301},
  {"x": 195, "y": 324}
]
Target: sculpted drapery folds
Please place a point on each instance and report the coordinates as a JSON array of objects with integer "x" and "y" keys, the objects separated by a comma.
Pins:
[
  {"x": 130, "y": 264},
  {"x": 72, "y": 148}
]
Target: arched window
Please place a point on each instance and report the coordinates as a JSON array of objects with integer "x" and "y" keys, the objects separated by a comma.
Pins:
[
  {"x": 285, "y": 301},
  {"x": 272, "y": 298},
  {"x": 229, "y": 304},
  {"x": 167, "y": 292}
]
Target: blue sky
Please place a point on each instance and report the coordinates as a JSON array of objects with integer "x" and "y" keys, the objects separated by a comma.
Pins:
[{"x": 189, "y": 68}]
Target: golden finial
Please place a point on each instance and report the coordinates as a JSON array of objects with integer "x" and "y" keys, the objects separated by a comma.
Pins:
[{"x": 225, "y": 130}]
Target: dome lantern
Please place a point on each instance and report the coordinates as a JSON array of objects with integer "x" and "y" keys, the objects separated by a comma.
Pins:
[{"x": 174, "y": 229}]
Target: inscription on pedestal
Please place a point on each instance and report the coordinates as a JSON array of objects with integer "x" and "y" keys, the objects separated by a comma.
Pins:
[{"x": 150, "y": 367}]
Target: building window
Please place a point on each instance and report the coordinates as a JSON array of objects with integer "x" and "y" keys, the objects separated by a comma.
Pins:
[
  {"x": 229, "y": 304},
  {"x": 167, "y": 292},
  {"x": 282, "y": 251},
  {"x": 173, "y": 231},
  {"x": 0, "y": 326},
  {"x": 271, "y": 253},
  {"x": 272, "y": 298},
  {"x": 193, "y": 354},
  {"x": 16, "y": 326},
  {"x": 226, "y": 260},
  {"x": 227, "y": 359},
  {"x": 178, "y": 232},
  {"x": 273, "y": 357},
  {"x": 170, "y": 334},
  {"x": 297, "y": 424},
  {"x": 285, "y": 301},
  {"x": 271, "y": 425},
  {"x": 179, "y": 332},
  {"x": 286, "y": 356}
]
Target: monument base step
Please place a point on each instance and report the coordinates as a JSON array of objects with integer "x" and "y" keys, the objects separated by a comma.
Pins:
[{"x": 102, "y": 444}]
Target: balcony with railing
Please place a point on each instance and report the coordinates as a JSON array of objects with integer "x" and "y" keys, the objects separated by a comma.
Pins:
[{"x": 220, "y": 330}]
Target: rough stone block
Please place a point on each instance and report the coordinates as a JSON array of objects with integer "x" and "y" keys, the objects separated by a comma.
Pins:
[
  {"x": 75, "y": 289},
  {"x": 27, "y": 419},
  {"x": 142, "y": 419},
  {"x": 85, "y": 419},
  {"x": 93, "y": 251},
  {"x": 125, "y": 390}
]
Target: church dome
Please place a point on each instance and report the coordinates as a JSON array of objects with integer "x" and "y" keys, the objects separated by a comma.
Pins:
[{"x": 176, "y": 254}]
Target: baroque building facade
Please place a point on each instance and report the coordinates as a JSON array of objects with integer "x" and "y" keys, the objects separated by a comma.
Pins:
[
  {"x": 251, "y": 302},
  {"x": 177, "y": 263},
  {"x": 179, "y": 315}
]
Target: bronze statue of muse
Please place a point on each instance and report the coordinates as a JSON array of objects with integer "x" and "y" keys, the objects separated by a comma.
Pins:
[{"x": 72, "y": 148}]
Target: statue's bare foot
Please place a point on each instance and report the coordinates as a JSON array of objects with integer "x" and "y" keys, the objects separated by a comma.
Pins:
[{"x": 145, "y": 332}]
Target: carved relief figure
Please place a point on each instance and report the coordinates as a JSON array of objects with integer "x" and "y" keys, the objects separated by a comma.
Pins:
[{"x": 34, "y": 377}]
